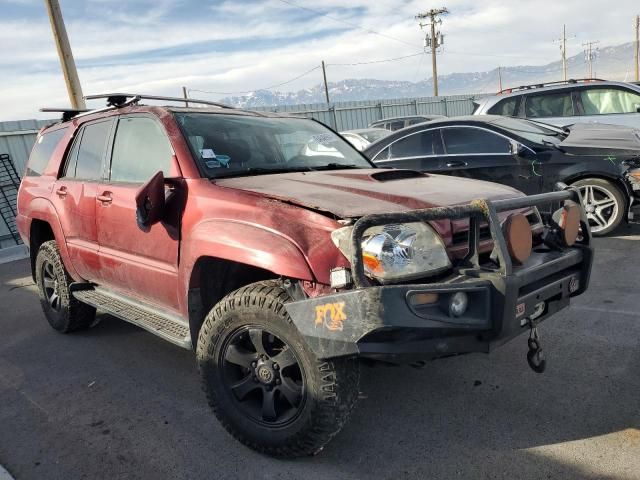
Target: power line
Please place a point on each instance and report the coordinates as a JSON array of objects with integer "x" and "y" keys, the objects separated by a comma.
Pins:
[
  {"x": 375, "y": 61},
  {"x": 256, "y": 89},
  {"x": 351, "y": 24}
]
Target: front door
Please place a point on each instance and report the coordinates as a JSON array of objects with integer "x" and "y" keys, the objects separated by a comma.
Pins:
[
  {"x": 74, "y": 196},
  {"x": 137, "y": 261},
  {"x": 478, "y": 153}
]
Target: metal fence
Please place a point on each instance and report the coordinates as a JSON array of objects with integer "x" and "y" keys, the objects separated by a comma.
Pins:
[{"x": 350, "y": 115}]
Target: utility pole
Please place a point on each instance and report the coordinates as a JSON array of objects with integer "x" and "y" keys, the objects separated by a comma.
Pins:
[
  {"x": 326, "y": 94},
  {"x": 434, "y": 39},
  {"x": 637, "y": 48},
  {"x": 499, "y": 79},
  {"x": 64, "y": 52},
  {"x": 326, "y": 87},
  {"x": 563, "y": 52},
  {"x": 185, "y": 94},
  {"x": 590, "y": 55}
]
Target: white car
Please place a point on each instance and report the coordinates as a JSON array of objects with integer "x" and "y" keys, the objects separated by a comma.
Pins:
[
  {"x": 364, "y": 137},
  {"x": 566, "y": 103}
]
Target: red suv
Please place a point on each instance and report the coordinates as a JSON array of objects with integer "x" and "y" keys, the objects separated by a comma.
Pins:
[{"x": 282, "y": 265}]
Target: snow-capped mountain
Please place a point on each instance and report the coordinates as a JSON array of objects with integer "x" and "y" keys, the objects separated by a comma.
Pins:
[{"x": 614, "y": 63}]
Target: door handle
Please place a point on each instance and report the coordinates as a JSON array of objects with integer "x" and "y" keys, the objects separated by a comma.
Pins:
[
  {"x": 62, "y": 192},
  {"x": 105, "y": 198},
  {"x": 457, "y": 163}
]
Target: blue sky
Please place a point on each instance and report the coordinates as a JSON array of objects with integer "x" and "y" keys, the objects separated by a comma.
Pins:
[{"x": 232, "y": 46}]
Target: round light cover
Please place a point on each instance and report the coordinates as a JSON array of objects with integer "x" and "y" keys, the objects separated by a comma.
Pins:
[
  {"x": 568, "y": 219},
  {"x": 517, "y": 233}
]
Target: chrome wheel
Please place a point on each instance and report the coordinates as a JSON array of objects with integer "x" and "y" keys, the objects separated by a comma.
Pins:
[
  {"x": 600, "y": 205},
  {"x": 50, "y": 286}
]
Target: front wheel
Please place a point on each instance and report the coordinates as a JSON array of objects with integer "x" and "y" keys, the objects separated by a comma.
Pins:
[
  {"x": 604, "y": 204},
  {"x": 264, "y": 385}
]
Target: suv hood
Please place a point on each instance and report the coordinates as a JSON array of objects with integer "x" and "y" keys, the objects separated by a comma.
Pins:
[
  {"x": 601, "y": 139},
  {"x": 354, "y": 193}
]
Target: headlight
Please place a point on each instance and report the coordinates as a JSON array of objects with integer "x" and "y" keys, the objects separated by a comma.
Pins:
[{"x": 397, "y": 252}]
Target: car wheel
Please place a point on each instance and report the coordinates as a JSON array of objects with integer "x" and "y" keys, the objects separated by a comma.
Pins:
[
  {"x": 604, "y": 204},
  {"x": 64, "y": 313},
  {"x": 264, "y": 385}
]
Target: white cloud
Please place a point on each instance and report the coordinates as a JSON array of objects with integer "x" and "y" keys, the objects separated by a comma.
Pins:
[{"x": 478, "y": 36}]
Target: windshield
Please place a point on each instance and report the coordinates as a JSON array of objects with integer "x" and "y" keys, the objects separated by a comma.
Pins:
[
  {"x": 374, "y": 135},
  {"x": 532, "y": 131},
  {"x": 234, "y": 145}
]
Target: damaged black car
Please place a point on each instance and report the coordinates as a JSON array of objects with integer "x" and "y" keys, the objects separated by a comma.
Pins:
[{"x": 603, "y": 161}]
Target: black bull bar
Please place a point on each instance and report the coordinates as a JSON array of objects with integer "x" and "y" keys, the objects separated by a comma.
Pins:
[{"x": 377, "y": 321}]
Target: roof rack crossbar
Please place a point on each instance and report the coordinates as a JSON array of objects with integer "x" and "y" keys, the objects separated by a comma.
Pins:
[
  {"x": 67, "y": 113},
  {"x": 547, "y": 84},
  {"x": 115, "y": 98}
]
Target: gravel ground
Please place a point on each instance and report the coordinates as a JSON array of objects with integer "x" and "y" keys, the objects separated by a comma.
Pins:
[{"x": 117, "y": 402}]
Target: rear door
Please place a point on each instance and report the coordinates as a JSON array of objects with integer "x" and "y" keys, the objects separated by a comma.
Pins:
[
  {"x": 418, "y": 151},
  {"x": 615, "y": 105},
  {"x": 483, "y": 154},
  {"x": 557, "y": 107},
  {"x": 74, "y": 195},
  {"x": 138, "y": 261}
]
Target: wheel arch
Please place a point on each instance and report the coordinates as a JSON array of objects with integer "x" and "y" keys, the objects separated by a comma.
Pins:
[{"x": 616, "y": 180}]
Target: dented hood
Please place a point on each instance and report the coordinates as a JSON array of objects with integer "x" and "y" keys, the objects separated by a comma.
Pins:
[
  {"x": 601, "y": 139},
  {"x": 354, "y": 193}
]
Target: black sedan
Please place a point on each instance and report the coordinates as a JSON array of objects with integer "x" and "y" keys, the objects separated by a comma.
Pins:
[{"x": 602, "y": 160}]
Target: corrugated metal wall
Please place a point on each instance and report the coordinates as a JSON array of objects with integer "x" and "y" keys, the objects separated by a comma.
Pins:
[
  {"x": 351, "y": 115},
  {"x": 16, "y": 139}
]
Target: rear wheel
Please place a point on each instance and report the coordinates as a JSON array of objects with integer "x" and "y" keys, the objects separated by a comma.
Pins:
[
  {"x": 263, "y": 384},
  {"x": 604, "y": 204},
  {"x": 64, "y": 313}
]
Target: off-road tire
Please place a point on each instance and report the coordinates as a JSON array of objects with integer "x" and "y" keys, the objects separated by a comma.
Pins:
[
  {"x": 71, "y": 315},
  {"x": 331, "y": 389},
  {"x": 614, "y": 192}
]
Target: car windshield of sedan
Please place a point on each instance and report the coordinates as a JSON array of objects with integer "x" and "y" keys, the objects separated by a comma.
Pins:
[
  {"x": 226, "y": 145},
  {"x": 532, "y": 131}
]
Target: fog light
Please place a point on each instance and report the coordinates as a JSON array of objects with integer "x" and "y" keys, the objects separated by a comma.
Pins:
[
  {"x": 517, "y": 233},
  {"x": 458, "y": 304},
  {"x": 340, "y": 277},
  {"x": 568, "y": 219}
]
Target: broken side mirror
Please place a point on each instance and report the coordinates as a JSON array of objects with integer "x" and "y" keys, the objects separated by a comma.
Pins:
[{"x": 150, "y": 201}]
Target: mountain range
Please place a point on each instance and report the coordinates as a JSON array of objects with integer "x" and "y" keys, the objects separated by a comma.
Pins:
[{"x": 613, "y": 63}]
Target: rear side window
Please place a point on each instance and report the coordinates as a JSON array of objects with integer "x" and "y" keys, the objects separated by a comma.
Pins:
[
  {"x": 141, "y": 149},
  {"x": 86, "y": 164},
  {"x": 506, "y": 107},
  {"x": 397, "y": 125},
  {"x": 42, "y": 151},
  {"x": 417, "y": 145},
  {"x": 549, "y": 105},
  {"x": 602, "y": 101},
  {"x": 463, "y": 141}
]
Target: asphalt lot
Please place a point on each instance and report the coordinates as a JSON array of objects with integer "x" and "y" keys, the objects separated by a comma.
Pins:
[{"x": 117, "y": 402}]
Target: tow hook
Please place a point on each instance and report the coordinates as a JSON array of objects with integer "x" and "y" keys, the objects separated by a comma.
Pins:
[{"x": 535, "y": 355}]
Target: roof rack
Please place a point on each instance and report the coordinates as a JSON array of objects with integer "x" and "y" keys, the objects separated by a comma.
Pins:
[
  {"x": 117, "y": 99},
  {"x": 67, "y": 113},
  {"x": 571, "y": 81}
]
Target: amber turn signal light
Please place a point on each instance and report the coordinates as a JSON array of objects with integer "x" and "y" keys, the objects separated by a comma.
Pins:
[{"x": 517, "y": 233}]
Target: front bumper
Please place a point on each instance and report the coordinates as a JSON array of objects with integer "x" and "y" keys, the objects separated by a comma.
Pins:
[{"x": 387, "y": 323}]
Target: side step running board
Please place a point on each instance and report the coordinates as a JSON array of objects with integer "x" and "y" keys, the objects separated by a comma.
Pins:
[{"x": 167, "y": 327}]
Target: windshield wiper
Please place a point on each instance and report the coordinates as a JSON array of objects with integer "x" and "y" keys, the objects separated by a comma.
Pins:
[
  {"x": 260, "y": 171},
  {"x": 335, "y": 166}
]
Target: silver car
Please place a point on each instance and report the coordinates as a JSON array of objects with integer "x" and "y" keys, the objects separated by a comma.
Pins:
[{"x": 566, "y": 103}]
